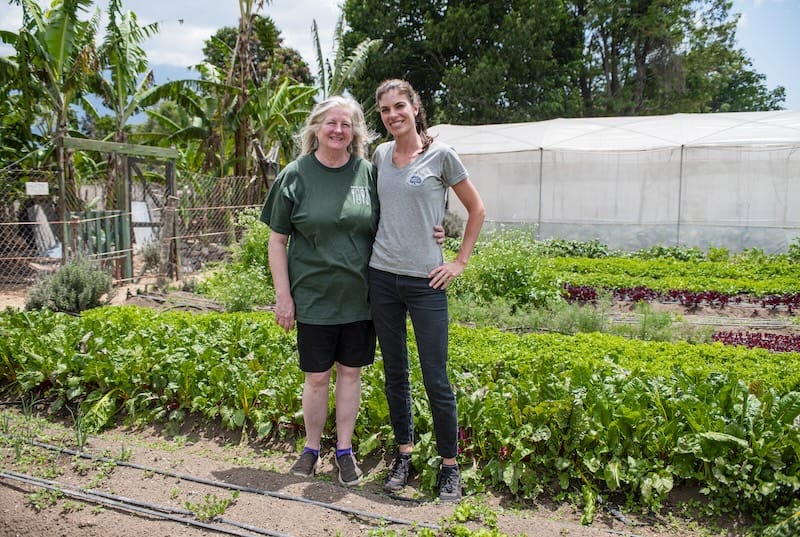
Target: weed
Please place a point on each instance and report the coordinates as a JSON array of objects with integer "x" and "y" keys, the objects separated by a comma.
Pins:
[
  {"x": 124, "y": 454},
  {"x": 211, "y": 506},
  {"x": 79, "y": 428},
  {"x": 44, "y": 498},
  {"x": 80, "y": 466},
  {"x": 72, "y": 507},
  {"x": 104, "y": 470}
]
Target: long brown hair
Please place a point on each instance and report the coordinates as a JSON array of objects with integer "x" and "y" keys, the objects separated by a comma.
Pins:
[{"x": 404, "y": 88}]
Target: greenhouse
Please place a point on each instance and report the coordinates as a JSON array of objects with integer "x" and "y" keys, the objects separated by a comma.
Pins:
[{"x": 724, "y": 180}]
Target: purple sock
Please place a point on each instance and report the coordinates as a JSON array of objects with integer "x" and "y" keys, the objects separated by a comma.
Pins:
[
  {"x": 341, "y": 452},
  {"x": 310, "y": 450}
]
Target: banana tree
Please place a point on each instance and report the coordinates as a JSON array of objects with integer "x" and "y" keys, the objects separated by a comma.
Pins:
[
  {"x": 241, "y": 75},
  {"x": 334, "y": 79},
  {"x": 125, "y": 79},
  {"x": 55, "y": 60}
]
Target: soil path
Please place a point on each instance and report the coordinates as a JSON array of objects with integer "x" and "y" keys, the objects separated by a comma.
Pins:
[{"x": 201, "y": 467}]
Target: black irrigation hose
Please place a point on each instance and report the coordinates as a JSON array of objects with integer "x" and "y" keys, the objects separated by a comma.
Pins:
[
  {"x": 127, "y": 504},
  {"x": 268, "y": 493},
  {"x": 242, "y": 488}
]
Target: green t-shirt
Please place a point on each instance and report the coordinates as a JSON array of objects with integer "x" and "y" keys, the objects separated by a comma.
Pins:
[{"x": 330, "y": 216}]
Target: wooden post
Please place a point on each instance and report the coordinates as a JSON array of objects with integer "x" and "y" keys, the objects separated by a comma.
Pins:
[{"x": 170, "y": 246}]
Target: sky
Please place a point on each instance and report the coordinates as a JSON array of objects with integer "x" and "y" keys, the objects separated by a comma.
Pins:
[{"x": 768, "y": 32}]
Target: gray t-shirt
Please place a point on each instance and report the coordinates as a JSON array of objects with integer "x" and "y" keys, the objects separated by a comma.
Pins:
[{"x": 412, "y": 201}]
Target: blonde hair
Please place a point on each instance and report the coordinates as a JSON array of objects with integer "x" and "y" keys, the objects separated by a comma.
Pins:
[
  {"x": 404, "y": 88},
  {"x": 362, "y": 136}
]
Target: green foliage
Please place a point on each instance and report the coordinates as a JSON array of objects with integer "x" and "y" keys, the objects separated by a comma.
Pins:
[
  {"x": 43, "y": 498},
  {"x": 245, "y": 281},
  {"x": 571, "y": 248},
  {"x": 500, "y": 62},
  {"x": 269, "y": 58},
  {"x": 680, "y": 253},
  {"x": 77, "y": 286},
  {"x": 587, "y": 414},
  {"x": 231, "y": 368},
  {"x": 211, "y": 506},
  {"x": 720, "y": 254},
  {"x": 748, "y": 273},
  {"x": 794, "y": 251},
  {"x": 506, "y": 265},
  {"x": 453, "y": 225}
]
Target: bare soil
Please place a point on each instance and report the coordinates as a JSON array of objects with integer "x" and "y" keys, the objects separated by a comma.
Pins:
[{"x": 201, "y": 465}]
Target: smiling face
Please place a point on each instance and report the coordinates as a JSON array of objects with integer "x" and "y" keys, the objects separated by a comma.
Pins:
[
  {"x": 335, "y": 131},
  {"x": 397, "y": 113}
]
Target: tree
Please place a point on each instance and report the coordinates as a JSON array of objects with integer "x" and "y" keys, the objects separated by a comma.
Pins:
[
  {"x": 268, "y": 56},
  {"x": 505, "y": 61},
  {"x": 334, "y": 79},
  {"x": 403, "y": 28},
  {"x": 55, "y": 60},
  {"x": 517, "y": 60},
  {"x": 128, "y": 79},
  {"x": 253, "y": 61}
]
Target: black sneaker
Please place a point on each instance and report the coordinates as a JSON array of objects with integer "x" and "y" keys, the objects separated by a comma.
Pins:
[
  {"x": 306, "y": 465},
  {"x": 399, "y": 474},
  {"x": 349, "y": 472},
  {"x": 449, "y": 484}
]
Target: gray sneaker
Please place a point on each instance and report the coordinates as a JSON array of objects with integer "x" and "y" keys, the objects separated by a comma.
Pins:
[
  {"x": 399, "y": 474},
  {"x": 449, "y": 484},
  {"x": 349, "y": 472},
  {"x": 306, "y": 465}
]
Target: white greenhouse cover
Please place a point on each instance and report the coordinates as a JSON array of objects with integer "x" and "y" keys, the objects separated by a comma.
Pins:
[{"x": 725, "y": 180}]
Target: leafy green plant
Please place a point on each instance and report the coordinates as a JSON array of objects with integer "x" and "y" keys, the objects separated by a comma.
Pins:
[
  {"x": 793, "y": 253},
  {"x": 211, "y": 506},
  {"x": 571, "y": 248},
  {"x": 453, "y": 225},
  {"x": 680, "y": 253},
  {"x": 245, "y": 281},
  {"x": 720, "y": 254},
  {"x": 508, "y": 267},
  {"x": 44, "y": 498},
  {"x": 77, "y": 286}
]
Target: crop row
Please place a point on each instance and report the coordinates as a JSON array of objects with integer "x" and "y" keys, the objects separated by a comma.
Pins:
[
  {"x": 575, "y": 416},
  {"x": 689, "y": 299}
]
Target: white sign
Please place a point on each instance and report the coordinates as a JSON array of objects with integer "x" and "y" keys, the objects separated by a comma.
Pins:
[{"x": 37, "y": 188}]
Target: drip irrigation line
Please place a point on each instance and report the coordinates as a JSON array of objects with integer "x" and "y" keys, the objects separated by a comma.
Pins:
[
  {"x": 242, "y": 488},
  {"x": 263, "y": 492},
  {"x": 127, "y": 504}
]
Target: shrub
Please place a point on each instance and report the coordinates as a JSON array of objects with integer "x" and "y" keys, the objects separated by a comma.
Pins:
[
  {"x": 794, "y": 251},
  {"x": 508, "y": 267},
  {"x": 245, "y": 281},
  {"x": 453, "y": 225},
  {"x": 77, "y": 286}
]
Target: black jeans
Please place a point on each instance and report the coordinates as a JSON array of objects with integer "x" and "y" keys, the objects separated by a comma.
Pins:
[{"x": 392, "y": 296}]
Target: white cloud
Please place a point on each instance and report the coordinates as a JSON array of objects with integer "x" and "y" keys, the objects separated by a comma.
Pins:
[{"x": 181, "y": 44}]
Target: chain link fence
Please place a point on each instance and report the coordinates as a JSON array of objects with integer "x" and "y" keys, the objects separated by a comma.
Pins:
[{"x": 173, "y": 227}]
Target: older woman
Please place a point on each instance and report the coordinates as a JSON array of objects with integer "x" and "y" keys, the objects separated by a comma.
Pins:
[{"x": 324, "y": 206}]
